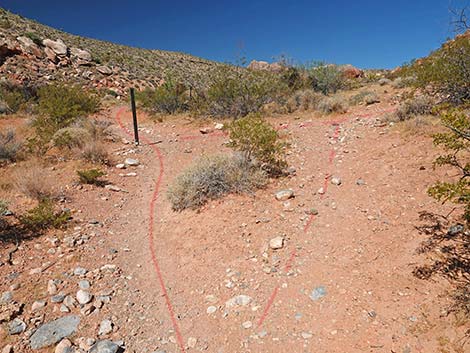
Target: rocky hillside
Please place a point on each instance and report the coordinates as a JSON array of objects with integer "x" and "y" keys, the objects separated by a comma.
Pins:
[{"x": 30, "y": 51}]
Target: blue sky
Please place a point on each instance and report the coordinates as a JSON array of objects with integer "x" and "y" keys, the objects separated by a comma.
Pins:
[{"x": 365, "y": 33}]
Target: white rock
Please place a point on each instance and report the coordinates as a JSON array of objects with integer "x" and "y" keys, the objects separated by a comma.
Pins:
[
  {"x": 276, "y": 243},
  {"x": 239, "y": 300},
  {"x": 336, "y": 181},
  {"x": 63, "y": 346},
  {"x": 57, "y": 46},
  {"x": 131, "y": 162},
  {"x": 106, "y": 327},
  {"x": 284, "y": 195},
  {"x": 38, "y": 305},
  {"x": 121, "y": 166},
  {"x": 218, "y": 126},
  {"x": 211, "y": 309},
  {"x": 192, "y": 341},
  {"x": 84, "y": 297},
  {"x": 247, "y": 324}
]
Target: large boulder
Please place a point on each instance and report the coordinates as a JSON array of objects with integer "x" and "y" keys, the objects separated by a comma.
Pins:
[
  {"x": 351, "y": 72},
  {"x": 54, "y": 331},
  {"x": 57, "y": 46},
  {"x": 265, "y": 66},
  {"x": 80, "y": 54},
  {"x": 105, "y": 70},
  {"x": 30, "y": 47}
]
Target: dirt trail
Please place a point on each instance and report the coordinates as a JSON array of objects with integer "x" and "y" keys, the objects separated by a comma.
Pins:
[{"x": 341, "y": 283}]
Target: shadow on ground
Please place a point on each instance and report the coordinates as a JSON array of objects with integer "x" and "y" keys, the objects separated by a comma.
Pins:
[{"x": 448, "y": 251}]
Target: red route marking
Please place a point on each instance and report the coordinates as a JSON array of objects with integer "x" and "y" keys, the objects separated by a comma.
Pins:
[
  {"x": 153, "y": 201},
  {"x": 306, "y": 227}
]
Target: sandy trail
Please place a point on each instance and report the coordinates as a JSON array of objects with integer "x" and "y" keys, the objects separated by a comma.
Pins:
[{"x": 342, "y": 282}]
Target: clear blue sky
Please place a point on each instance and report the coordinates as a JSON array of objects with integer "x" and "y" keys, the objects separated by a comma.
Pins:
[{"x": 365, "y": 33}]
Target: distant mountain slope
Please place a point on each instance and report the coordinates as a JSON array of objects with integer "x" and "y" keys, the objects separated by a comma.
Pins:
[{"x": 32, "y": 51}]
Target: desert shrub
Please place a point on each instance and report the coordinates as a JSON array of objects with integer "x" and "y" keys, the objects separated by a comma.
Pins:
[
  {"x": 32, "y": 181},
  {"x": 306, "y": 99},
  {"x": 3, "y": 207},
  {"x": 91, "y": 176},
  {"x": 402, "y": 82},
  {"x": 9, "y": 146},
  {"x": 95, "y": 152},
  {"x": 446, "y": 70},
  {"x": 34, "y": 37},
  {"x": 367, "y": 97},
  {"x": 330, "y": 105},
  {"x": 59, "y": 107},
  {"x": 420, "y": 105},
  {"x": 71, "y": 137},
  {"x": 259, "y": 142},
  {"x": 384, "y": 81},
  {"x": 326, "y": 78},
  {"x": 16, "y": 96},
  {"x": 169, "y": 98},
  {"x": 213, "y": 177},
  {"x": 294, "y": 78},
  {"x": 236, "y": 94},
  {"x": 456, "y": 142},
  {"x": 44, "y": 216}
]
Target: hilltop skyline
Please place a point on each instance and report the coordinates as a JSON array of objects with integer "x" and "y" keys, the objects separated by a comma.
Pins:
[{"x": 367, "y": 34}]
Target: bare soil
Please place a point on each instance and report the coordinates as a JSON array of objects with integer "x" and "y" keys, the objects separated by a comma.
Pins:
[{"x": 359, "y": 251}]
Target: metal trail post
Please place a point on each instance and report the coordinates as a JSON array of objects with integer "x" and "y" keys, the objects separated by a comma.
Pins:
[{"x": 134, "y": 117}]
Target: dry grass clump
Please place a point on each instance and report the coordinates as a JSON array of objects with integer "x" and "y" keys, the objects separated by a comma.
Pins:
[
  {"x": 330, "y": 105},
  {"x": 364, "y": 97},
  {"x": 213, "y": 177},
  {"x": 94, "y": 151},
  {"x": 33, "y": 181},
  {"x": 9, "y": 146},
  {"x": 306, "y": 99},
  {"x": 420, "y": 105}
]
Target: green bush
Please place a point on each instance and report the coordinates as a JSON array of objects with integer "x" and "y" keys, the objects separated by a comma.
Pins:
[
  {"x": 421, "y": 105},
  {"x": 9, "y": 146},
  {"x": 237, "y": 93},
  {"x": 213, "y": 177},
  {"x": 456, "y": 143},
  {"x": 59, "y": 107},
  {"x": 326, "y": 78},
  {"x": 366, "y": 97},
  {"x": 169, "y": 98},
  {"x": 16, "y": 97},
  {"x": 330, "y": 105},
  {"x": 259, "y": 142},
  {"x": 44, "y": 216},
  {"x": 446, "y": 70},
  {"x": 35, "y": 38},
  {"x": 91, "y": 176}
]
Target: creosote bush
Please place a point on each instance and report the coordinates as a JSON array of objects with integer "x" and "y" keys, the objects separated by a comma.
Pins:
[
  {"x": 44, "y": 216},
  {"x": 326, "y": 78},
  {"x": 446, "y": 71},
  {"x": 235, "y": 94},
  {"x": 17, "y": 97},
  {"x": 9, "y": 146},
  {"x": 259, "y": 142},
  {"x": 60, "y": 106},
  {"x": 213, "y": 177},
  {"x": 456, "y": 143},
  {"x": 169, "y": 98},
  {"x": 91, "y": 176}
]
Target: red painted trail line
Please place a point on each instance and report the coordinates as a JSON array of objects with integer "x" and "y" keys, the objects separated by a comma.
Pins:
[
  {"x": 156, "y": 265},
  {"x": 306, "y": 227}
]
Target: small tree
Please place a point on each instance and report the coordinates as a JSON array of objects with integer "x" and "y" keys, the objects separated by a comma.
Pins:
[
  {"x": 456, "y": 143},
  {"x": 325, "y": 78},
  {"x": 169, "y": 98},
  {"x": 258, "y": 141}
]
